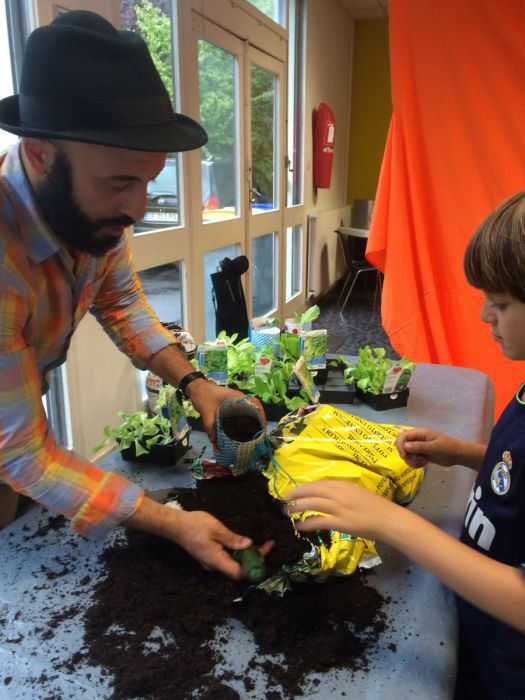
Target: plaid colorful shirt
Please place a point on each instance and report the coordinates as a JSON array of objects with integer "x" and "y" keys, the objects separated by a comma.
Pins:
[{"x": 44, "y": 293}]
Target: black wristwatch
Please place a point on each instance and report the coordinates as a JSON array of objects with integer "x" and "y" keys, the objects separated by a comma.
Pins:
[{"x": 187, "y": 379}]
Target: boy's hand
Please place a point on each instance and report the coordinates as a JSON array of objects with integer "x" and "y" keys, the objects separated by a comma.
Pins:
[
  {"x": 346, "y": 507},
  {"x": 420, "y": 446}
]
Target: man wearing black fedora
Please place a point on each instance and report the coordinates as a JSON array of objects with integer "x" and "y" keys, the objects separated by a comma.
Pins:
[{"x": 95, "y": 124}]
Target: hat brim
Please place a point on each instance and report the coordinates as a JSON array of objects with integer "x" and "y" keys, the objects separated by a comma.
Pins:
[{"x": 181, "y": 134}]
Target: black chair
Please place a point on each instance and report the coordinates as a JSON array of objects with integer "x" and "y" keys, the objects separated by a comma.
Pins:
[{"x": 353, "y": 247}]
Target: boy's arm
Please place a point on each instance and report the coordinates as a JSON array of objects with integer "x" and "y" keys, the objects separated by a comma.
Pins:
[
  {"x": 420, "y": 446},
  {"x": 496, "y": 588}
]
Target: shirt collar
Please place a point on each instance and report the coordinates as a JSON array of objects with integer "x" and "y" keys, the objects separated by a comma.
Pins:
[{"x": 34, "y": 231}]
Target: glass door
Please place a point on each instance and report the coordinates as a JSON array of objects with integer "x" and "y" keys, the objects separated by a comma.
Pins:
[
  {"x": 265, "y": 139},
  {"x": 218, "y": 214}
]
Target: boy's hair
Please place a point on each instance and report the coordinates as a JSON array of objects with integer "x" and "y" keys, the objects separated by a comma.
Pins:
[{"x": 495, "y": 256}]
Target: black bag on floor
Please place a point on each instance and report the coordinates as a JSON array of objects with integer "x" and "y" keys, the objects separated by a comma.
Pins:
[{"x": 231, "y": 314}]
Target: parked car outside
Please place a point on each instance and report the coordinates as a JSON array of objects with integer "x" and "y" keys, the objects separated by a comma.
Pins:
[{"x": 163, "y": 198}]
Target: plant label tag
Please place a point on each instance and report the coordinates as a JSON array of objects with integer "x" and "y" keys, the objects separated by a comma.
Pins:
[
  {"x": 306, "y": 380},
  {"x": 396, "y": 379},
  {"x": 263, "y": 365},
  {"x": 213, "y": 361},
  {"x": 313, "y": 345}
]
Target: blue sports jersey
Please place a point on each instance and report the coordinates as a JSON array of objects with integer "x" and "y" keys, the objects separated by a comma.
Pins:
[{"x": 492, "y": 654}]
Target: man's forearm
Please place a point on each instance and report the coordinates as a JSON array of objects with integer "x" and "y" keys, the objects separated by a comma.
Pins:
[
  {"x": 154, "y": 518},
  {"x": 170, "y": 364}
]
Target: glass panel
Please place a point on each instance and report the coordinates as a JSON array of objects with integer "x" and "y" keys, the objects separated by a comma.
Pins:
[
  {"x": 211, "y": 260},
  {"x": 163, "y": 200},
  {"x": 153, "y": 21},
  {"x": 274, "y": 9},
  {"x": 294, "y": 258},
  {"x": 164, "y": 290},
  {"x": 6, "y": 79},
  {"x": 264, "y": 274},
  {"x": 296, "y": 53},
  {"x": 264, "y": 141},
  {"x": 219, "y": 116}
]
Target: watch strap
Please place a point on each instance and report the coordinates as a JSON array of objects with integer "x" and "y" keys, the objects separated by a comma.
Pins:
[{"x": 187, "y": 379}]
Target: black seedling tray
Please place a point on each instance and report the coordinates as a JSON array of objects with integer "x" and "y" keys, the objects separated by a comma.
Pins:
[
  {"x": 336, "y": 390},
  {"x": 382, "y": 402},
  {"x": 159, "y": 454}
]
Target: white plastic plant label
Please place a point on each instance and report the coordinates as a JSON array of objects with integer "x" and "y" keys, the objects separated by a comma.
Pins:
[
  {"x": 306, "y": 380},
  {"x": 396, "y": 379},
  {"x": 313, "y": 346}
]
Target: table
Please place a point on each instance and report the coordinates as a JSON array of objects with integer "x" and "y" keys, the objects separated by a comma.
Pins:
[{"x": 453, "y": 400}]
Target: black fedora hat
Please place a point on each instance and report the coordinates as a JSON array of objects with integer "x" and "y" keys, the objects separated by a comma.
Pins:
[{"x": 82, "y": 80}]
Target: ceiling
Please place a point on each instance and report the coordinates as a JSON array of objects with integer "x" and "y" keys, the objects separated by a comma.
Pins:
[{"x": 366, "y": 9}]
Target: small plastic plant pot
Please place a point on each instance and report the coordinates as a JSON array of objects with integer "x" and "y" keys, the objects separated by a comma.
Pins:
[{"x": 239, "y": 431}]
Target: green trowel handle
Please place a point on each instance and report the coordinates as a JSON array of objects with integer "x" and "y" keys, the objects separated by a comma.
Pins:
[{"x": 252, "y": 563}]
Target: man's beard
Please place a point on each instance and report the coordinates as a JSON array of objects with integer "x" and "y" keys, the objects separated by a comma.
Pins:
[{"x": 54, "y": 195}]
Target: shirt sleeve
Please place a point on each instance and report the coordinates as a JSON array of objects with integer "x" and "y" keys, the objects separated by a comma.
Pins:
[
  {"x": 121, "y": 308},
  {"x": 30, "y": 460}
]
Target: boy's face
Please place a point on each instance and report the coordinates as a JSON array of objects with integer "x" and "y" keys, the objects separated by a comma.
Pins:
[{"x": 506, "y": 316}]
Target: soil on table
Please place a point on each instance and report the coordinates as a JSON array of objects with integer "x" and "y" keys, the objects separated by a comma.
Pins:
[{"x": 159, "y": 623}]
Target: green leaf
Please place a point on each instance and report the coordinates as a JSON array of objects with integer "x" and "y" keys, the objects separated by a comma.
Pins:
[{"x": 310, "y": 314}]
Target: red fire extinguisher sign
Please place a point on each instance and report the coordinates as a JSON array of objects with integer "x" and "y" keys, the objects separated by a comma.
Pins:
[{"x": 324, "y": 141}]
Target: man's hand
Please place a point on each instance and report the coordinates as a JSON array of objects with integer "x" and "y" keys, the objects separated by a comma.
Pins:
[
  {"x": 198, "y": 532},
  {"x": 207, "y": 396}
]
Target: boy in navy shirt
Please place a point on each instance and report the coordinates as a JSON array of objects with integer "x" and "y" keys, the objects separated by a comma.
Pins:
[{"x": 485, "y": 568}]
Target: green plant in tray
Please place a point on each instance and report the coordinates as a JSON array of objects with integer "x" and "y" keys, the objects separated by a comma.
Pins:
[
  {"x": 271, "y": 387},
  {"x": 141, "y": 430},
  {"x": 372, "y": 367}
]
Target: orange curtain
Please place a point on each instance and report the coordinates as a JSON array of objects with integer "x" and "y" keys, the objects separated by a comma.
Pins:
[{"x": 455, "y": 150}]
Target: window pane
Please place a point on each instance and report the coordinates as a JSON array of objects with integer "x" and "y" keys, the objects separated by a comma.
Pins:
[
  {"x": 153, "y": 21},
  {"x": 264, "y": 141},
  {"x": 264, "y": 275},
  {"x": 164, "y": 290},
  {"x": 163, "y": 200},
  {"x": 211, "y": 261},
  {"x": 274, "y": 9},
  {"x": 6, "y": 79},
  {"x": 296, "y": 53},
  {"x": 294, "y": 257},
  {"x": 218, "y": 115}
]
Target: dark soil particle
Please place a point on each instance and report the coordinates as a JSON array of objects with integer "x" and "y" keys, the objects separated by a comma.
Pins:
[
  {"x": 54, "y": 522},
  {"x": 157, "y": 615}
]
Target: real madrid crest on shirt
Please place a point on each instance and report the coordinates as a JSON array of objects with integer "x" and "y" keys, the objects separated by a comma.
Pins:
[{"x": 500, "y": 477}]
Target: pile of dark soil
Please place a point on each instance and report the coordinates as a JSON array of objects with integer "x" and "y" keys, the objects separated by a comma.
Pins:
[{"x": 157, "y": 620}]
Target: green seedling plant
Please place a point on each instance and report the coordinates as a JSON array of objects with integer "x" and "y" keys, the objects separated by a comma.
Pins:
[
  {"x": 139, "y": 429},
  {"x": 371, "y": 368},
  {"x": 347, "y": 367},
  {"x": 241, "y": 356},
  {"x": 269, "y": 387},
  {"x": 308, "y": 316}
]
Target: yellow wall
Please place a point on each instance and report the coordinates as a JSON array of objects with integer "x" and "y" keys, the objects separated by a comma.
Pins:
[{"x": 371, "y": 107}]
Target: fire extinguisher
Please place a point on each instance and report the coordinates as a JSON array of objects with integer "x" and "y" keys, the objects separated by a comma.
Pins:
[{"x": 324, "y": 140}]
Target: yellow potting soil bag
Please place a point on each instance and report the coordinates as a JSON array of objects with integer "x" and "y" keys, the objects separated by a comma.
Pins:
[
  {"x": 324, "y": 442},
  {"x": 328, "y": 443}
]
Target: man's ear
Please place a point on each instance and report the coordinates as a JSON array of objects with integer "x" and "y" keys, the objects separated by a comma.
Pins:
[{"x": 38, "y": 156}]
